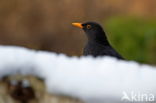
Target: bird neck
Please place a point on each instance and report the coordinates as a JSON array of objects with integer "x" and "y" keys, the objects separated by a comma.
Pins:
[{"x": 100, "y": 38}]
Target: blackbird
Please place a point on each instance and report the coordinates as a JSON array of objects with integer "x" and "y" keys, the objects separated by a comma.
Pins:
[{"x": 97, "y": 44}]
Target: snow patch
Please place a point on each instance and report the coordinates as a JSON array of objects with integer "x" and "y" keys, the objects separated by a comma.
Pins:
[{"x": 102, "y": 79}]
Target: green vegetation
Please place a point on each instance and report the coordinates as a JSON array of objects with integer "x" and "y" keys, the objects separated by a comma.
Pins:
[{"x": 134, "y": 38}]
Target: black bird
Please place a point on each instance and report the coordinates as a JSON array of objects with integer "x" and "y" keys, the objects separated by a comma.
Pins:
[{"x": 97, "y": 44}]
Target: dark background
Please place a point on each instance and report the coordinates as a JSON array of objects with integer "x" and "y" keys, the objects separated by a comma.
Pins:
[{"x": 46, "y": 25}]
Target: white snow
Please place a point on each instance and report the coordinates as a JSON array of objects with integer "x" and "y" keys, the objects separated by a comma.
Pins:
[{"x": 100, "y": 80}]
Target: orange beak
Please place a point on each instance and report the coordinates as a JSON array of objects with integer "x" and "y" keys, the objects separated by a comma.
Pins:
[{"x": 79, "y": 25}]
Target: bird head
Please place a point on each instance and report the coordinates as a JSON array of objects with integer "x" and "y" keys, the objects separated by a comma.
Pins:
[{"x": 93, "y": 30}]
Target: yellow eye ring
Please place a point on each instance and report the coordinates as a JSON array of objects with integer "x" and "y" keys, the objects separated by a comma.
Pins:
[{"x": 89, "y": 26}]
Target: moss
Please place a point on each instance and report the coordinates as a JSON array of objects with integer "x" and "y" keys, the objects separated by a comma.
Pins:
[{"x": 133, "y": 37}]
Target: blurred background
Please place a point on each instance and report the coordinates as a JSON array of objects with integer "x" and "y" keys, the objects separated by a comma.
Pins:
[{"x": 46, "y": 25}]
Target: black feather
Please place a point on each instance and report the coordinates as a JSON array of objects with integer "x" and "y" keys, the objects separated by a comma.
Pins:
[{"x": 97, "y": 44}]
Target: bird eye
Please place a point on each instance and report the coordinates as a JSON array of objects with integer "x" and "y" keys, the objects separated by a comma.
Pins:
[{"x": 88, "y": 26}]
